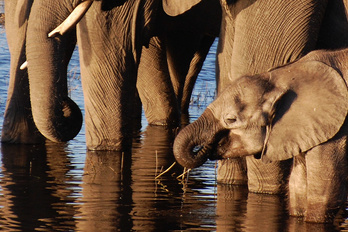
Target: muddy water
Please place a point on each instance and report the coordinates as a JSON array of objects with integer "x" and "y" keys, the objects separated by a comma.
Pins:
[{"x": 63, "y": 187}]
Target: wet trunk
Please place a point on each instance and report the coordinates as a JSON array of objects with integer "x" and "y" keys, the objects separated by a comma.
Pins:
[{"x": 194, "y": 144}]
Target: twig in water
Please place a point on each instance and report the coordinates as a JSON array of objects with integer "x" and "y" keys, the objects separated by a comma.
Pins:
[
  {"x": 122, "y": 157},
  {"x": 184, "y": 173},
  {"x": 156, "y": 164},
  {"x": 183, "y": 181},
  {"x": 165, "y": 171}
]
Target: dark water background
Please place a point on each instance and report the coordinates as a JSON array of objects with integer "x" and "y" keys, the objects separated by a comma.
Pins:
[{"x": 63, "y": 187}]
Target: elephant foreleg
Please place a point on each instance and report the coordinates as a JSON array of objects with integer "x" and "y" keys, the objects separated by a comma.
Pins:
[
  {"x": 326, "y": 180},
  {"x": 18, "y": 126},
  {"x": 109, "y": 72},
  {"x": 194, "y": 69},
  {"x": 268, "y": 178},
  {"x": 298, "y": 187},
  {"x": 232, "y": 171},
  {"x": 186, "y": 52},
  {"x": 154, "y": 86}
]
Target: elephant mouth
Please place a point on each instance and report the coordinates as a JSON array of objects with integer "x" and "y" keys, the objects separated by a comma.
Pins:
[
  {"x": 258, "y": 155},
  {"x": 220, "y": 146}
]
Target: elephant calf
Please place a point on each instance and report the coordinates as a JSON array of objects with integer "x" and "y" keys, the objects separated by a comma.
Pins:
[{"x": 296, "y": 111}]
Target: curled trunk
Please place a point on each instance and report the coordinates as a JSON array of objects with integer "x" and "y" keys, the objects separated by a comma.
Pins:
[
  {"x": 56, "y": 116},
  {"x": 197, "y": 141}
]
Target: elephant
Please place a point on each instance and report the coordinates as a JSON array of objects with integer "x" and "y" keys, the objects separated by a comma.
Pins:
[
  {"x": 256, "y": 36},
  {"x": 124, "y": 47},
  {"x": 297, "y": 111}
]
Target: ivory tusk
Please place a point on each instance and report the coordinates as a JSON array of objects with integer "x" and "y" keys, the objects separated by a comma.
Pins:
[
  {"x": 24, "y": 65},
  {"x": 73, "y": 19}
]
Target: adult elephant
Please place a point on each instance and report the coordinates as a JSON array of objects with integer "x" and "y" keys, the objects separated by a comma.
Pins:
[
  {"x": 298, "y": 110},
  {"x": 258, "y": 35},
  {"x": 110, "y": 36}
]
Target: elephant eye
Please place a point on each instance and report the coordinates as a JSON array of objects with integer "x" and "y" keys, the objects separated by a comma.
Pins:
[{"x": 230, "y": 120}]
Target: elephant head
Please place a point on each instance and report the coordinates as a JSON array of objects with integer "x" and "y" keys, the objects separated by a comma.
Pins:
[{"x": 275, "y": 115}]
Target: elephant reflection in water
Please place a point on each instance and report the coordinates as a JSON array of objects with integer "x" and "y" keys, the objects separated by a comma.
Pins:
[
  {"x": 119, "y": 192},
  {"x": 238, "y": 209},
  {"x": 35, "y": 187},
  {"x": 106, "y": 200}
]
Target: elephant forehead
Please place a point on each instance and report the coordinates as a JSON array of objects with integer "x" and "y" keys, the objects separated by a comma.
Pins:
[{"x": 241, "y": 96}]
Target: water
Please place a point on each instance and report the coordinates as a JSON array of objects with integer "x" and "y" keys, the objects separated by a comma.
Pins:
[{"x": 63, "y": 187}]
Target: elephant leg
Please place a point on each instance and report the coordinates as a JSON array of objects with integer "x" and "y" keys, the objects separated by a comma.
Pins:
[
  {"x": 137, "y": 113},
  {"x": 192, "y": 74},
  {"x": 154, "y": 86},
  {"x": 18, "y": 125},
  {"x": 109, "y": 72},
  {"x": 326, "y": 180},
  {"x": 268, "y": 178},
  {"x": 260, "y": 177},
  {"x": 232, "y": 171},
  {"x": 186, "y": 52},
  {"x": 298, "y": 187},
  {"x": 165, "y": 89}
]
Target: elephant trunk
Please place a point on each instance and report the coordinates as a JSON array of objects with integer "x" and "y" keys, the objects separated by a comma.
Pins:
[
  {"x": 56, "y": 116},
  {"x": 196, "y": 142}
]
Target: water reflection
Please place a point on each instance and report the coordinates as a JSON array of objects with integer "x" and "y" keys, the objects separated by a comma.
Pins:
[
  {"x": 35, "y": 190},
  {"x": 45, "y": 188},
  {"x": 106, "y": 193},
  {"x": 238, "y": 210}
]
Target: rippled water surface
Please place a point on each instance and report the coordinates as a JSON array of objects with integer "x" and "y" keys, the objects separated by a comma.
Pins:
[{"x": 63, "y": 187}]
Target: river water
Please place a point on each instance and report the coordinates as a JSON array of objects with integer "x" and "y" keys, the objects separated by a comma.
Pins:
[{"x": 64, "y": 187}]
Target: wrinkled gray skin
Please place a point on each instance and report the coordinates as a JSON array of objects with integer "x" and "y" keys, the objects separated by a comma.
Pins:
[
  {"x": 110, "y": 37},
  {"x": 18, "y": 122},
  {"x": 258, "y": 35},
  {"x": 299, "y": 111}
]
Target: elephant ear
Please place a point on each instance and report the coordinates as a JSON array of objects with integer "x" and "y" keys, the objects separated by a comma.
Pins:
[
  {"x": 311, "y": 112},
  {"x": 178, "y": 7}
]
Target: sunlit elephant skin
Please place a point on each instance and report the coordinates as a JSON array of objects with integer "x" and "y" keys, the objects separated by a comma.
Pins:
[
  {"x": 111, "y": 36},
  {"x": 296, "y": 111},
  {"x": 258, "y": 35}
]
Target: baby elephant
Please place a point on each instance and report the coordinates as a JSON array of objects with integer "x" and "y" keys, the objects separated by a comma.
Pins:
[{"x": 296, "y": 111}]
